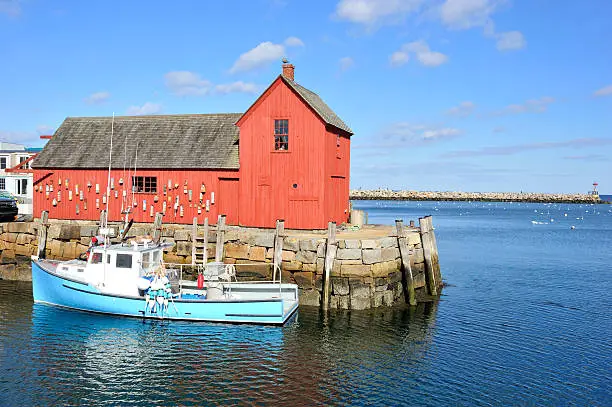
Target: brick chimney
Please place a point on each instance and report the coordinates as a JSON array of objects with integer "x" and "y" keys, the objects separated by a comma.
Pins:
[{"x": 288, "y": 70}]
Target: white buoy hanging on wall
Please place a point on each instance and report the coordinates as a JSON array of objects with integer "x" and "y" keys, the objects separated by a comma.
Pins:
[
  {"x": 70, "y": 195},
  {"x": 169, "y": 184},
  {"x": 51, "y": 188},
  {"x": 97, "y": 203},
  {"x": 76, "y": 189},
  {"x": 59, "y": 196},
  {"x": 207, "y": 205},
  {"x": 59, "y": 181},
  {"x": 182, "y": 211},
  {"x": 81, "y": 195},
  {"x": 84, "y": 204},
  {"x": 97, "y": 188},
  {"x": 212, "y": 198},
  {"x": 66, "y": 182},
  {"x": 104, "y": 199},
  {"x": 199, "y": 210},
  {"x": 164, "y": 208},
  {"x": 151, "y": 211},
  {"x": 144, "y": 205},
  {"x": 112, "y": 183},
  {"x": 116, "y": 194},
  {"x": 124, "y": 193},
  {"x": 190, "y": 195},
  {"x": 54, "y": 202},
  {"x": 77, "y": 209}
]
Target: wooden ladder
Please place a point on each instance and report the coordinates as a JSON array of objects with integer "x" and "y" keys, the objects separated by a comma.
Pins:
[{"x": 199, "y": 243}]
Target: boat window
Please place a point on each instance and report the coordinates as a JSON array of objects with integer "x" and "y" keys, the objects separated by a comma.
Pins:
[
  {"x": 124, "y": 261},
  {"x": 156, "y": 255},
  {"x": 146, "y": 260},
  {"x": 108, "y": 259},
  {"x": 96, "y": 258},
  {"x": 80, "y": 270}
]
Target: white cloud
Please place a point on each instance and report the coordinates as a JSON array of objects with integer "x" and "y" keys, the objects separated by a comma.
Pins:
[
  {"x": 531, "y": 106},
  {"x": 294, "y": 42},
  {"x": 403, "y": 133},
  {"x": 346, "y": 63},
  {"x": 463, "y": 14},
  {"x": 510, "y": 40},
  {"x": 96, "y": 98},
  {"x": 464, "y": 109},
  {"x": 43, "y": 129},
  {"x": 605, "y": 91},
  {"x": 12, "y": 8},
  {"x": 399, "y": 58},
  {"x": 422, "y": 52},
  {"x": 185, "y": 83},
  {"x": 258, "y": 57},
  {"x": 236, "y": 87},
  {"x": 20, "y": 137},
  {"x": 147, "y": 108},
  {"x": 370, "y": 12}
]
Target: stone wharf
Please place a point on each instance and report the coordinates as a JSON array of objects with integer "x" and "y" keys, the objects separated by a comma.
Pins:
[
  {"x": 287, "y": 157},
  {"x": 376, "y": 266}
]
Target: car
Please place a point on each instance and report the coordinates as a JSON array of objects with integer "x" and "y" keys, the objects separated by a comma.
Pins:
[{"x": 8, "y": 206}]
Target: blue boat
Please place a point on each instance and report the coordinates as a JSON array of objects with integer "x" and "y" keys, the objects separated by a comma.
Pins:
[{"x": 131, "y": 280}]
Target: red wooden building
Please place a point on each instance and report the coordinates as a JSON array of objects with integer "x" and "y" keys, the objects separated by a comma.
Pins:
[{"x": 287, "y": 157}]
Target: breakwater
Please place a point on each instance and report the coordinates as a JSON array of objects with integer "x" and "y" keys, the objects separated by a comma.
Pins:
[
  {"x": 367, "y": 268},
  {"x": 387, "y": 194}
]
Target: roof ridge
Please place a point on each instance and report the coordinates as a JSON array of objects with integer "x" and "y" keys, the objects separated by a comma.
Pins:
[{"x": 155, "y": 116}]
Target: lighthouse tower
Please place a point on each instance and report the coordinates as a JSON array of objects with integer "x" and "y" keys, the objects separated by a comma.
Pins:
[{"x": 594, "y": 191}]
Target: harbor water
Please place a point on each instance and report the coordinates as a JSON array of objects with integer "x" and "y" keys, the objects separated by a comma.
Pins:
[{"x": 524, "y": 320}]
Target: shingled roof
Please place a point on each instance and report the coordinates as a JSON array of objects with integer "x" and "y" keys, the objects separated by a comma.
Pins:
[
  {"x": 318, "y": 105},
  {"x": 164, "y": 141}
]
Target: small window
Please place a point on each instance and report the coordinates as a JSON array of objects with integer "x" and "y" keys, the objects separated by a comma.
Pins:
[
  {"x": 146, "y": 260},
  {"x": 96, "y": 258},
  {"x": 108, "y": 259},
  {"x": 2, "y": 162},
  {"x": 144, "y": 184},
  {"x": 281, "y": 134},
  {"x": 3, "y": 184},
  {"x": 80, "y": 270},
  {"x": 156, "y": 257},
  {"x": 124, "y": 261},
  {"x": 22, "y": 186}
]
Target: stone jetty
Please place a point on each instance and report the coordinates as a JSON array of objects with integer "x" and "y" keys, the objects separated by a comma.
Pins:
[{"x": 387, "y": 194}]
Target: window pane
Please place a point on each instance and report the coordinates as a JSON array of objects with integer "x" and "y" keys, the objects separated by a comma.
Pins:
[
  {"x": 96, "y": 258},
  {"x": 2, "y": 162},
  {"x": 2, "y": 184},
  {"x": 124, "y": 261}
]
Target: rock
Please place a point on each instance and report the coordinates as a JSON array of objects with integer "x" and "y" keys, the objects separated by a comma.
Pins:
[
  {"x": 303, "y": 279},
  {"x": 385, "y": 268},
  {"x": 348, "y": 254},
  {"x": 270, "y": 254},
  {"x": 288, "y": 256},
  {"x": 21, "y": 250},
  {"x": 377, "y": 299},
  {"x": 182, "y": 234},
  {"x": 306, "y": 256},
  {"x": 417, "y": 256},
  {"x": 388, "y": 298},
  {"x": 54, "y": 231},
  {"x": 7, "y": 272},
  {"x": 56, "y": 249},
  {"x": 339, "y": 302},
  {"x": 173, "y": 258},
  {"x": 183, "y": 248},
  {"x": 389, "y": 241},
  {"x": 419, "y": 280},
  {"x": 89, "y": 231},
  {"x": 320, "y": 265},
  {"x": 418, "y": 268},
  {"x": 395, "y": 277},
  {"x": 70, "y": 232},
  {"x": 70, "y": 250},
  {"x": 291, "y": 244},
  {"x": 292, "y": 265},
  {"x": 308, "y": 245},
  {"x": 309, "y": 267},
  {"x": 359, "y": 289},
  {"x": 360, "y": 303},
  {"x": 340, "y": 286},
  {"x": 389, "y": 253},
  {"x": 371, "y": 256},
  {"x": 245, "y": 268},
  {"x": 7, "y": 256},
  {"x": 237, "y": 251},
  {"x": 24, "y": 238},
  {"x": 335, "y": 271},
  {"x": 257, "y": 253},
  {"x": 370, "y": 244},
  {"x": 167, "y": 232},
  {"x": 321, "y": 249},
  {"x": 263, "y": 240},
  {"x": 11, "y": 237},
  {"x": 355, "y": 270},
  {"x": 318, "y": 283},
  {"x": 413, "y": 238},
  {"x": 18, "y": 227},
  {"x": 309, "y": 298}
]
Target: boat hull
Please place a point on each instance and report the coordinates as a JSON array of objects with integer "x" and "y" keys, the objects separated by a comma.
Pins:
[{"x": 50, "y": 288}]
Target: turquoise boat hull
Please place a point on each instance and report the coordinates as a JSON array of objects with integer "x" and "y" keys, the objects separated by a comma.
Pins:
[{"x": 53, "y": 289}]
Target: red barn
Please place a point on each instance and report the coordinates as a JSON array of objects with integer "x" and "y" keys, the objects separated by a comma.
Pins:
[{"x": 287, "y": 157}]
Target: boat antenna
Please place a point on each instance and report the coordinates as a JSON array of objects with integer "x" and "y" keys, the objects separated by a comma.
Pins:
[
  {"x": 134, "y": 176},
  {"x": 108, "y": 181}
]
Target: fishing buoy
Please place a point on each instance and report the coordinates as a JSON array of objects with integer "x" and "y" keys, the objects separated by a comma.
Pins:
[
  {"x": 573, "y": 227},
  {"x": 199, "y": 210},
  {"x": 120, "y": 181},
  {"x": 54, "y": 202},
  {"x": 190, "y": 195},
  {"x": 144, "y": 205},
  {"x": 51, "y": 188},
  {"x": 212, "y": 198},
  {"x": 76, "y": 189},
  {"x": 59, "y": 181},
  {"x": 97, "y": 203},
  {"x": 104, "y": 200},
  {"x": 112, "y": 185},
  {"x": 155, "y": 198},
  {"x": 84, "y": 204},
  {"x": 97, "y": 188},
  {"x": 66, "y": 182},
  {"x": 200, "y": 281},
  {"x": 203, "y": 188},
  {"x": 116, "y": 194},
  {"x": 70, "y": 195},
  {"x": 81, "y": 195},
  {"x": 207, "y": 205},
  {"x": 124, "y": 193},
  {"x": 164, "y": 208},
  {"x": 182, "y": 212},
  {"x": 77, "y": 209},
  {"x": 59, "y": 196},
  {"x": 151, "y": 211}
]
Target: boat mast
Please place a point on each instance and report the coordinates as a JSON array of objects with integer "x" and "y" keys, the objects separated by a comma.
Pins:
[{"x": 108, "y": 181}]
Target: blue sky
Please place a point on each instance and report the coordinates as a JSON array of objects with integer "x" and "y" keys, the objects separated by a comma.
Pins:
[{"x": 471, "y": 95}]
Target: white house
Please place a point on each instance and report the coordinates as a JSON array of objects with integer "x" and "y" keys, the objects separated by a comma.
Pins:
[{"x": 17, "y": 183}]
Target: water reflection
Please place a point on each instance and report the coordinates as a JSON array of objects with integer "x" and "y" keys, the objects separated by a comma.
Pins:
[{"x": 65, "y": 357}]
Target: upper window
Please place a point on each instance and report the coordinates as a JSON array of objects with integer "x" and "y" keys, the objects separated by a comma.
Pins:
[
  {"x": 22, "y": 186},
  {"x": 2, "y": 162},
  {"x": 124, "y": 261},
  {"x": 281, "y": 134},
  {"x": 144, "y": 184}
]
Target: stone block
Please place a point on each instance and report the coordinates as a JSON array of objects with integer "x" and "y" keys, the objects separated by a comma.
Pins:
[
  {"x": 389, "y": 241},
  {"x": 24, "y": 238},
  {"x": 371, "y": 256},
  {"x": 321, "y": 247},
  {"x": 348, "y": 254},
  {"x": 288, "y": 256},
  {"x": 7, "y": 256},
  {"x": 419, "y": 280},
  {"x": 18, "y": 227},
  {"x": 257, "y": 253},
  {"x": 309, "y": 267},
  {"x": 309, "y": 245},
  {"x": 56, "y": 249},
  {"x": 292, "y": 265},
  {"x": 309, "y": 298},
  {"x": 291, "y": 244},
  {"x": 237, "y": 251},
  {"x": 306, "y": 256},
  {"x": 263, "y": 240},
  {"x": 370, "y": 244},
  {"x": 351, "y": 261},
  {"x": 245, "y": 269},
  {"x": 167, "y": 232},
  {"x": 81, "y": 248},
  {"x": 318, "y": 283},
  {"x": 355, "y": 270},
  {"x": 7, "y": 272},
  {"x": 11, "y": 237},
  {"x": 413, "y": 238},
  {"x": 418, "y": 268},
  {"x": 335, "y": 271},
  {"x": 417, "y": 256},
  {"x": 173, "y": 258},
  {"x": 320, "y": 265},
  {"x": 269, "y": 254},
  {"x": 340, "y": 286},
  {"x": 183, "y": 248},
  {"x": 182, "y": 234},
  {"x": 88, "y": 231},
  {"x": 3, "y": 244},
  {"x": 359, "y": 289},
  {"x": 395, "y": 277},
  {"x": 389, "y": 253},
  {"x": 352, "y": 244},
  {"x": 377, "y": 299},
  {"x": 303, "y": 279},
  {"x": 54, "y": 231},
  {"x": 70, "y": 232},
  {"x": 340, "y": 302},
  {"x": 85, "y": 240},
  {"x": 21, "y": 250},
  {"x": 70, "y": 250},
  {"x": 388, "y": 298},
  {"x": 385, "y": 268},
  {"x": 381, "y": 288},
  {"x": 358, "y": 303}
]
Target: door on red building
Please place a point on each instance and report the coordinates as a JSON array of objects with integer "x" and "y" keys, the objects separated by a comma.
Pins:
[{"x": 228, "y": 199}]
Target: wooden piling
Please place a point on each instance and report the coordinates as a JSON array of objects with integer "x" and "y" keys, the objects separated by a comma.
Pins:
[
  {"x": 427, "y": 242},
  {"x": 42, "y": 235},
  {"x": 157, "y": 227},
  {"x": 220, "y": 238},
  {"x": 205, "y": 257},
  {"x": 102, "y": 219},
  {"x": 435, "y": 261},
  {"x": 279, "y": 234},
  {"x": 194, "y": 240},
  {"x": 405, "y": 259},
  {"x": 330, "y": 255}
]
